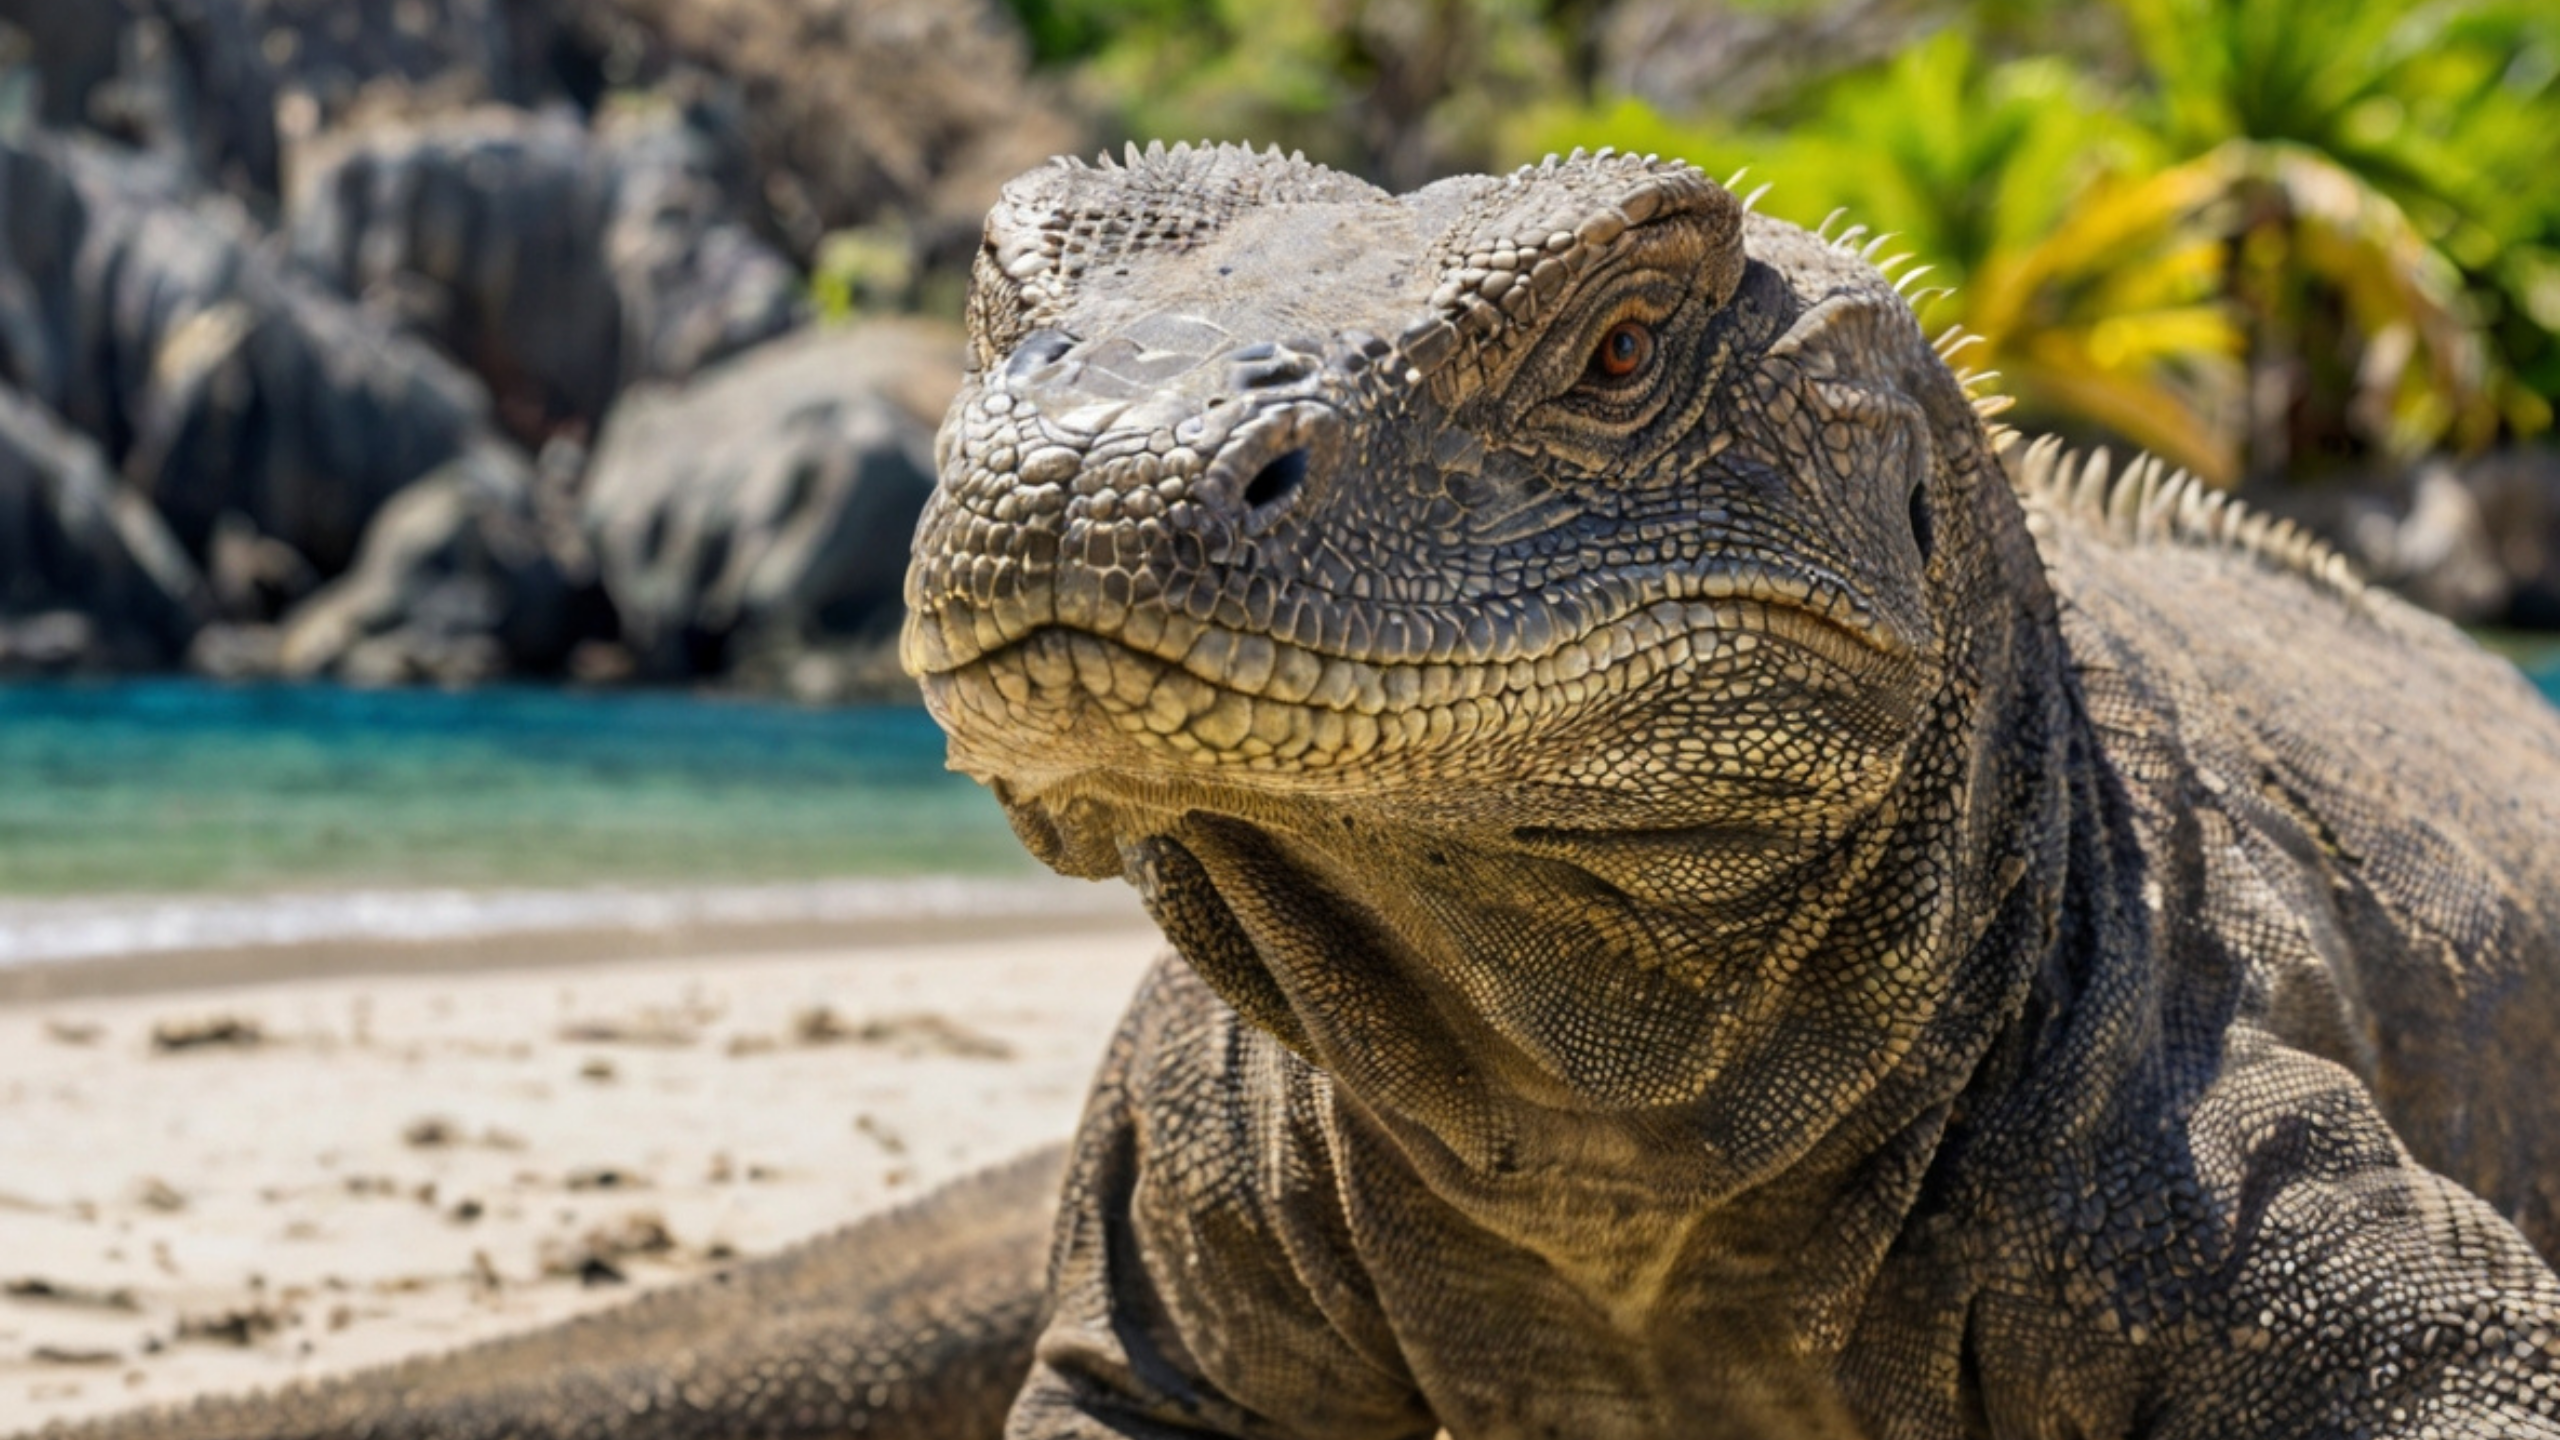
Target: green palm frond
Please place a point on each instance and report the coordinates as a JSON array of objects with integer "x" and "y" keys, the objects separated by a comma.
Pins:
[{"x": 2290, "y": 241}]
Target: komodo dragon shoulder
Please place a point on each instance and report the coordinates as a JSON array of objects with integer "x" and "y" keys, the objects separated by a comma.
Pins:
[{"x": 1712, "y": 892}]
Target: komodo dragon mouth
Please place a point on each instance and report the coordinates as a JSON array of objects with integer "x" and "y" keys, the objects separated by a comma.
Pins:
[{"x": 1556, "y": 557}]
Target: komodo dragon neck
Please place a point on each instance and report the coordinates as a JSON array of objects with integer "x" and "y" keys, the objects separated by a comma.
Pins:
[{"x": 1616, "y": 729}]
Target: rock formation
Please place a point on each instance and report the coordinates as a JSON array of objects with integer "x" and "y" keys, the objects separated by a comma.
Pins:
[
  {"x": 312, "y": 312},
  {"x": 757, "y": 520}
]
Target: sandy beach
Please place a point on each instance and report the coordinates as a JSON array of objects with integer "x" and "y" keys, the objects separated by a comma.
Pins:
[{"x": 226, "y": 1171}]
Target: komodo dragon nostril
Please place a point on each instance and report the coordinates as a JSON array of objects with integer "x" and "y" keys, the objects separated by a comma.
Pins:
[
  {"x": 1276, "y": 481},
  {"x": 1272, "y": 371}
]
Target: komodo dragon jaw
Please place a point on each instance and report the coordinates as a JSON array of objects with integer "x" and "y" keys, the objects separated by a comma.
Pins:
[{"x": 1512, "y": 737}]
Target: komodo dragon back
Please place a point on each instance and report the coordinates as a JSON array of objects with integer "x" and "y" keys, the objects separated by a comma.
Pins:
[{"x": 1715, "y": 893}]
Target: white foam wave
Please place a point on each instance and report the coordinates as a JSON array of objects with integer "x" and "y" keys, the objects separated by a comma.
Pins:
[{"x": 90, "y": 927}]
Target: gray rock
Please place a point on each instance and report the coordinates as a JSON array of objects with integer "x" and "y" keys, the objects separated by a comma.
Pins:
[
  {"x": 225, "y": 651},
  {"x": 71, "y": 50},
  {"x": 846, "y": 112},
  {"x": 56, "y": 642},
  {"x": 695, "y": 283},
  {"x": 2476, "y": 540},
  {"x": 89, "y": 578},
  {"x": 254, "y": 576},
  {"x": 761, "y": 515},
  {"x": 229, "y": 85},
  {"x": 2517, "y": 491},
  {"x": 148, "y": 316},
  {"x": 454, "y": 586},
  {"x": 2440, "y": 553},
  {"x": 1687, "y": 56},
  {"x": 558, "y": 265},
  {"x": 855, "y": 110}
]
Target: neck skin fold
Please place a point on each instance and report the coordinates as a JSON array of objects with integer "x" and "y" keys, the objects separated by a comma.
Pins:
[{"x": 1534, "y": 1045}]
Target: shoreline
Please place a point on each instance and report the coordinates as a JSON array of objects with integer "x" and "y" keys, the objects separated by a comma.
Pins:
[
  {"x": 262, "y": 1164},
  {"x": 109, "y": 945}
]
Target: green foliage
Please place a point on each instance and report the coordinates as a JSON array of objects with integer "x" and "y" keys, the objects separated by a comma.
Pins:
[
  {"x": 1400, "y": 90},
  {"x": 2438, "y": 122},
  {"x": 1232, "y": 71},
  {"x": 2043, "y": 209},
  {"x": 1068, "y": 30},
  {"x": 2275, "y": 243},
  {"x": 1959, "y": 157},
  {"x": 867, "y": 270},
  {"x": 2257, "y": 237}
]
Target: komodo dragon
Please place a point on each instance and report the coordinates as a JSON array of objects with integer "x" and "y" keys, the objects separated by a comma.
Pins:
[{"x": 1715, "y": 894}]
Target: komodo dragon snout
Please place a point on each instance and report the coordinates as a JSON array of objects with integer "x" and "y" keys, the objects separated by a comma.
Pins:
[{"x": 1346, "y": 485}]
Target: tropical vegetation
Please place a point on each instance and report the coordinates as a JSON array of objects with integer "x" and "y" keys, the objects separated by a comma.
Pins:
[{"x": 2264, "y": 240}]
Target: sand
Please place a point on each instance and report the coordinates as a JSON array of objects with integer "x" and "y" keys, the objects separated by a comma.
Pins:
[{"x": 326, "y": 1164}]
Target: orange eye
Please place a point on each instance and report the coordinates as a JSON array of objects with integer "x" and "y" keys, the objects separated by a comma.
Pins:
[{"x": 1623, "y": 351}]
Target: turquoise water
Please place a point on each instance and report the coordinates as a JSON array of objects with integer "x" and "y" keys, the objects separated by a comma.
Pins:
[{"x": 182, "y": 786}]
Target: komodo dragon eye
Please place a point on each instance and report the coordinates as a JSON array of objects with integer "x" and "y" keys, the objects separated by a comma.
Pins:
[{"x": 1622, "y": 354}]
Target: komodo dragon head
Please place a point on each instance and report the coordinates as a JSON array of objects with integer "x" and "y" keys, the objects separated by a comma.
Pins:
[{"x": 1553, "y": 649}]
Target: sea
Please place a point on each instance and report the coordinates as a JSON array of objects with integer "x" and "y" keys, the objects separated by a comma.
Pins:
[
  {"x": 179, "y": 815},
  {"x": 170, "y": 814}
]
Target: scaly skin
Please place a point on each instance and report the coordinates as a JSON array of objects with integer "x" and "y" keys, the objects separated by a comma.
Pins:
[
  {"x": 1692, "y": 921},
  {"x": 1709, "y": 901}
]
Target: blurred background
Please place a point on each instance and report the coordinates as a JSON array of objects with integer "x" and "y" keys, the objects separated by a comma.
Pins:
[{"x": 474, "y": 443}]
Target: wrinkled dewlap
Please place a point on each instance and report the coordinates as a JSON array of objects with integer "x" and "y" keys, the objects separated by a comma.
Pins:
[{"x": 1714, "y": 895}]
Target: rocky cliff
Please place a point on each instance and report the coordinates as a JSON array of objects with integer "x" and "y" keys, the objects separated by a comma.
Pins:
[{"x": 450, "y": 340}]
